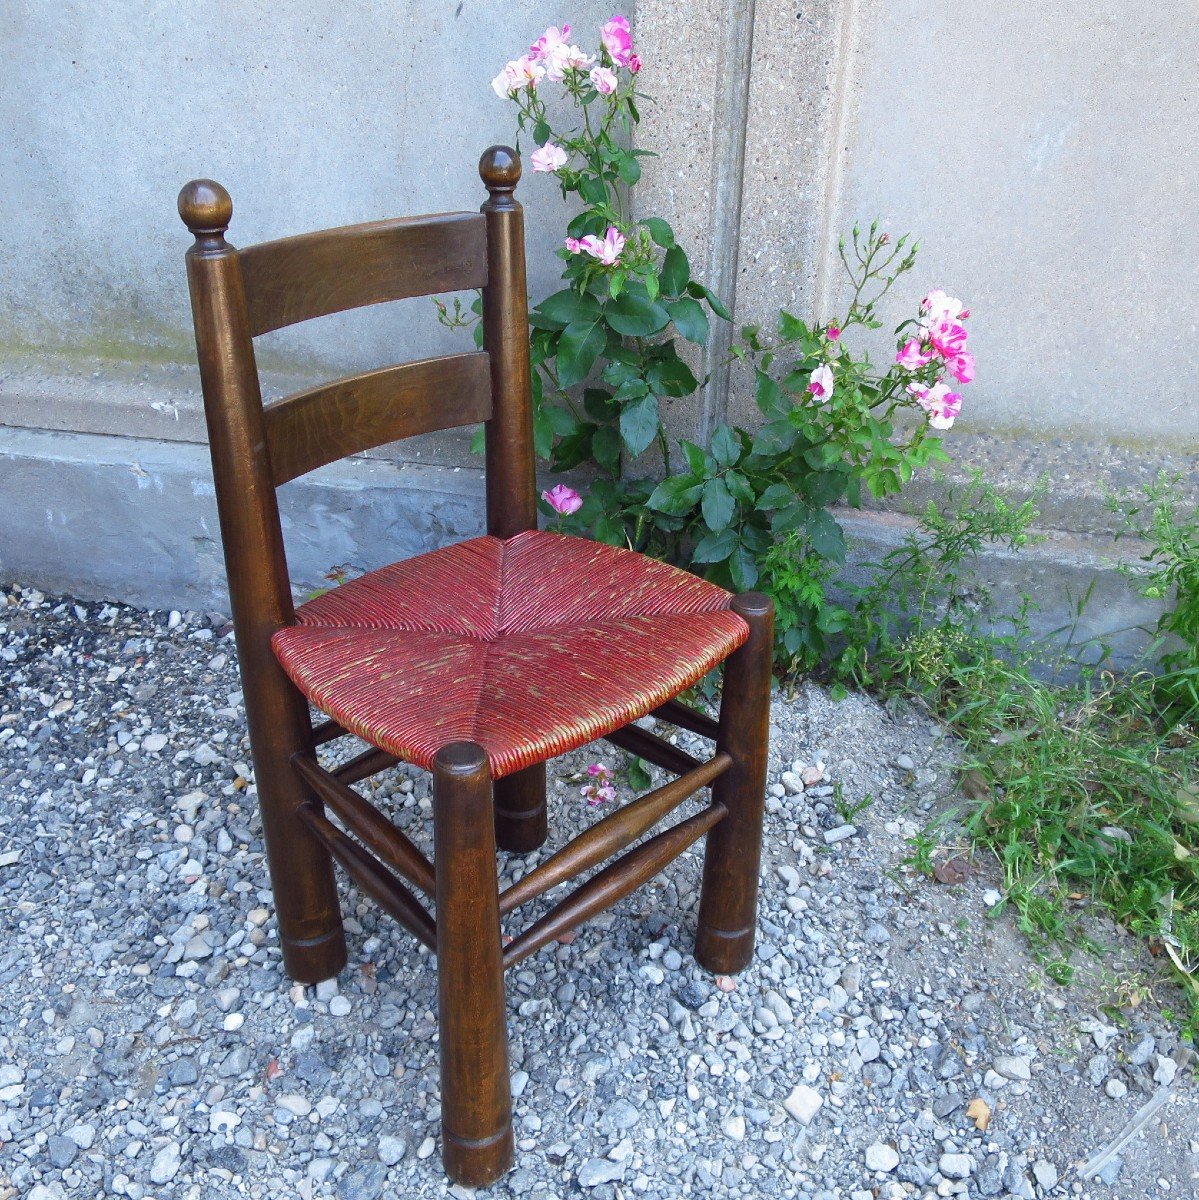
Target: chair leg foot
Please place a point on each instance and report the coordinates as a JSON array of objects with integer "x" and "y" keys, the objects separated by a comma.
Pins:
[
  {"x": 476, "y": 1098},
  {"x": 521, "y": 825},
  {"x": 728, "y": 903},
  {"x": 302, "y": 879}
]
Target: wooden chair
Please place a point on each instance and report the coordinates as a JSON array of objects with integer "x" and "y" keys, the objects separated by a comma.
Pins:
[{"x": 478, "y": 661}]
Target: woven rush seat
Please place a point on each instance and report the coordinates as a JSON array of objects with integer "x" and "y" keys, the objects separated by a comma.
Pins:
[{"x": 528, "y": 646}]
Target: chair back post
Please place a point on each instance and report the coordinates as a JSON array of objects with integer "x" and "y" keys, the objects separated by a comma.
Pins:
[
  {"x": 511, "y": 474},
  {"x": 259, "y": 589}
]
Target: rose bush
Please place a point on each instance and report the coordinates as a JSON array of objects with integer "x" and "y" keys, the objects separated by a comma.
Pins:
[{"x": 751, "y": 508}]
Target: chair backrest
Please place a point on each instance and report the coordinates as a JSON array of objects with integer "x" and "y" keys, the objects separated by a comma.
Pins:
[{"x": 237, "y": 295}]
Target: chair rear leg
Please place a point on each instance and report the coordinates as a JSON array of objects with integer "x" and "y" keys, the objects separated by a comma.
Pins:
[
  {"x": 728, "y": 904},
  {"x": 302, "y": 879},
  {"x": 476, "y": 1099},
  {"x": 520, "y": 817}
]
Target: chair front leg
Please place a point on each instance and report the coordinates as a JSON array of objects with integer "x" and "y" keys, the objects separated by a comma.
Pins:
[
  {"x": 520, "y": 817},
  {"x": 728, "y": 904},
  {"x": 476, "y": 1098}
]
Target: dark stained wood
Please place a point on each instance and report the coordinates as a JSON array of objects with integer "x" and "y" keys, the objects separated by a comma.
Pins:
[
  {"x": 327, "y": 731},
  {"x": 305, "y": 890},
  {"x": 476, "y": 1100},
  {"x": 521, "y": 821},
  {"x": 298, "y": 278},
  {"x": 613, "y": 883},
  {"x": 367, "y": 823},
  {"x": 320, "y": 426},
  {"x": 724, "y": 941},
  {"x": 614, "y": 832},
  {"x": 511, "y": 478},
  {"x": 675, "y": 713},
  {"x": 653, "y": 749},
  {"x": 363, "y": 766},
  {"x": 373, "y": 878}
]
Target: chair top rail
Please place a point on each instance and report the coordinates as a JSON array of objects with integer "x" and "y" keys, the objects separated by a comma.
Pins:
[{"x": 314, "y": 274}]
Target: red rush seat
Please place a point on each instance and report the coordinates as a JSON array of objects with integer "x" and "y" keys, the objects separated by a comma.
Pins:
[
  {"x": 529, "y": 647},
  {"x": 477, "y": 662}
]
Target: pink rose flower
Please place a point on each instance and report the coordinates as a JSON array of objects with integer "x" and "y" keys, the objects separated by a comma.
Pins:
[
  {"x": 820, "y": 383},
  {"x": 939, "y": 402},
  {"x": 961, "y": 366},
  {"x": 548, "y": 158},
  {"x": 601, "y": 790},
  {"x": 832, "y": 333},
  {"x": 634, "y": 63},
  {"x": 607, "y": 249},
  {"x": 947, "y": 338},
  {"x": 912, "y": 357},
  {"x": 553, "y": 49},
  {"x": 603, "y": 79},
  {"x": 938, "y": 306},
  {"x": 563, "y": 499},
  {"x": 618, "y": 40},
  {"x": 519, "y": 73}
]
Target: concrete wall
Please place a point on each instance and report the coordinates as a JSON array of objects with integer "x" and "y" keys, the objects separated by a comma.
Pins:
[{"x": 1045, "y": 154}]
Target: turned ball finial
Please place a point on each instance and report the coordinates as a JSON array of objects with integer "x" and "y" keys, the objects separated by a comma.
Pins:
[
  {"x": 499, "y": 168},
  {"x": 205, "y": 207}
]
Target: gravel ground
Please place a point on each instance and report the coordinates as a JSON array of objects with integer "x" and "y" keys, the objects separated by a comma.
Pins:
[{"x": 150, "y": 1045}]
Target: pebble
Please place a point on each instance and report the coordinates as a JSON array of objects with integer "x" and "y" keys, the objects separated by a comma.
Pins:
[
  {"x": 803, "y": 1103},
  {"x": 166, "y": 1163},
  {"x": 1045, "y": 1173},
  {"x": 881, "y": 1157},
  {"x": 339, "y": 1006},
  {"x": 363, "y": 1183},
  {"x": 1116, "y": 1088},
  {"x": 1013, "y": 1066},
  {"x": 955, "y": 1166},
  {"x": 839, "y": 834},
  {"x": 391, "y": 1149},
  {"x": 599, "y": 1170},
  {"x": 734, "y": 1127}
]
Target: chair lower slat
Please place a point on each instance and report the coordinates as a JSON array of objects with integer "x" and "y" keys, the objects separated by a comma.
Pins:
[
  {"x": 675, "y": 713},
  {"x": 373, "y": 878},
  {"x": 613, "y": 833},
  {"x": 363, "y": 766},
  {"x": 653, "y": 749},
  {"x": 613, "y": 883},
  {"x": 368, "y": 824},
  {"x": 327, "y": 731}
]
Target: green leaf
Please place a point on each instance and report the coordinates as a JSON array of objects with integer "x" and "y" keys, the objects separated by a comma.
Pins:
[
  {"x": 609, "y": 529},
  {"x": 593, "y": 190},
  {"x": 541, "y": 133},
  {"x": 671, "y": 377},
  {"x": 606, "y": 447},
  {"x": 676, "y": 271},
  {"x": 697, "y": 460},
  {"x": 715, "y": 547},
  {"x": 739, "y": 486},
  {"x": 568, "y": 305},
  {"x": 629, "y": 170},
  {"x": 726, "y": 449},
  {"x": 826, "y": 536},
  {"x": 561, "y": 420},
  {"x": 578, "y": 348},
  {"x": 770, "y": 397},
  {"x": 791, "y": 328},
  {"x": 543, "y": 432},
  {"x": 777, "y": 495},
  {"x": 478, "y": 440},
  {"x": 689, "y": 319},
  {"x": 639, "y": 424},
  {"x": 793, "y": 516},
  {"x": 700, "y": 292},
  {"x": 660, "y": 231},
  {"x": 676, "y": 495},
  {"x": 717, "y": 505},
  {"x": 634, "y": 314},
  {"x": 743, "y": 569},
  {"x": 638, "y": 775},
  {"x": 599, "y": 404}
]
